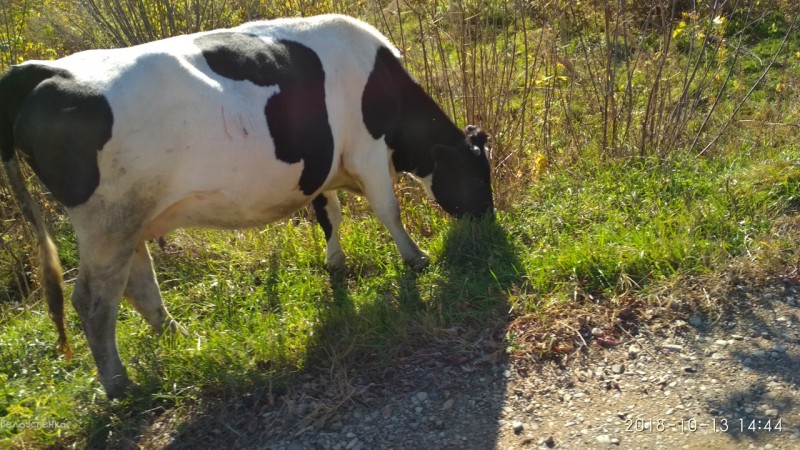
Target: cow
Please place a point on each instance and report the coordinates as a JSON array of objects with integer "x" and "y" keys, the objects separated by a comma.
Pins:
[{"x": 226, "y": 129}]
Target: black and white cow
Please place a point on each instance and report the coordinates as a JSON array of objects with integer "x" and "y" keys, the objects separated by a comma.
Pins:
[{"x": 228, "y": 129}]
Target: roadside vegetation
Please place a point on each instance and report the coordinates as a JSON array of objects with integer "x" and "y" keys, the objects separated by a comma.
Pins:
[{"x": 640, "y": 150}]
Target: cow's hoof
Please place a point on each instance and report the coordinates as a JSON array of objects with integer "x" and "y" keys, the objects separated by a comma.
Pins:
[
  {"x": 336, "y": 262},
  {"x": 173, "y": 327},
  {"x": 419, "y": 263},
  {"x": 117, "y": 387}
]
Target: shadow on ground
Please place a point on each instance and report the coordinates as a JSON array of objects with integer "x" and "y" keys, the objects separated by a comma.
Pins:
[
  {"x": 410, "y": 391},
  {"x": 762, "y": 361}
]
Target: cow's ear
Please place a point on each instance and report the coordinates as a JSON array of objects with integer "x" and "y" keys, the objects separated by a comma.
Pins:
[{"x": 476, "y": 136}]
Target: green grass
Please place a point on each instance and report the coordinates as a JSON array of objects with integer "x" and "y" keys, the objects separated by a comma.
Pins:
[
  {"x": 642, "y": 220},
  {"x": 262, "y": 308}
]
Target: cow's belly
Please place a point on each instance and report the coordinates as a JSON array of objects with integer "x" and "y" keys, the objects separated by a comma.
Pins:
[
  {"x": 220, "y": 190},
  {"x": 233, "y": 197},
  {"x": 218, "y": 209}
]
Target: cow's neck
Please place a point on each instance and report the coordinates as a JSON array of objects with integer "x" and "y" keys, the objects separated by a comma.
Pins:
[{"x": 423, "y": 125}]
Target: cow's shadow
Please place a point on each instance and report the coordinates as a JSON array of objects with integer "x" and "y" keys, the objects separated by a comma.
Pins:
[
  {"x": 454, "y": 327},
  {"x": 745, "y": 406},
  {"x": 447, "y": 332}
]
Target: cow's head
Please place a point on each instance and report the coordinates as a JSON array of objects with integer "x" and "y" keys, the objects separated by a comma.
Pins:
[{"x": 461, "y": 182}]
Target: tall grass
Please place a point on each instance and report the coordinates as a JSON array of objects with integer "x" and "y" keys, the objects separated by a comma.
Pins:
[{"x": 559, "y": 82}]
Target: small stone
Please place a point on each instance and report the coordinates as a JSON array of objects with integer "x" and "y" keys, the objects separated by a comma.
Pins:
[
  {"x": 721, "y": 342},
  {"x": 779, "y": 348},
  {"x": 448, "y": 404},
  {"x": 517, "y": 427},
  {"x": 567, "y": 397},
  {"x": 696, "y": 321},
  {"x": 738, "y": 337},
  {"x": 604, "y": 439},
  {"x": 618, "y": 369},
  {"x": 759, "y": 353},
  {"x": 672, "y": 347},
  {"x": 772, "y": 412},
  {"x": 717, "y": 355},
  {"x": 597, "y": 331},
  {"x": 633, "y": 351},
  {"x": 530, "y": 408},
  {"x": 422, "y": 396}
]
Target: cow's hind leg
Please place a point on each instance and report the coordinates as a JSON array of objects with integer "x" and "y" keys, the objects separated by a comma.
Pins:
[
  {"x": 329, "y": 215},
  {"x": 143, "y": 293},
  {"x": 104, "y": 268}
]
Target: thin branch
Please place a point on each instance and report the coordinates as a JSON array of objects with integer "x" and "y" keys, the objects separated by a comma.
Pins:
[{"x": 753, "y": 87}]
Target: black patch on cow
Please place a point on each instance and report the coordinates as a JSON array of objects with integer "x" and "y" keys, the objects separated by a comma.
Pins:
[
  {"x": 393, "y": 105},
  {"x": 297, "y": 116},
  {"x": 319, "y": 203},
  {"x": 59, "y": 125},
  {"x": 382, "y": 100},
  {"x": 15, "y": 86}
]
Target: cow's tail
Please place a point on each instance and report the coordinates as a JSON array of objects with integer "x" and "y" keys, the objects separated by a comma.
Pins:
[{"x": 51, "y": 272}]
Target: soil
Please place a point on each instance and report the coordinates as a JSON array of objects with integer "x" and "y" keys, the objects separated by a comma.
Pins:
[{"x": 698, "y": 382}]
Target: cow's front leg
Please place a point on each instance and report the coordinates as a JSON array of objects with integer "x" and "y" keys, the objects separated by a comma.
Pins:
[
  {"x": 143, "y": 293},
  {"x": 96, "y": 298},
  {"x": 329, "y": 214},
  {"x": 378, "y": 189}
]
